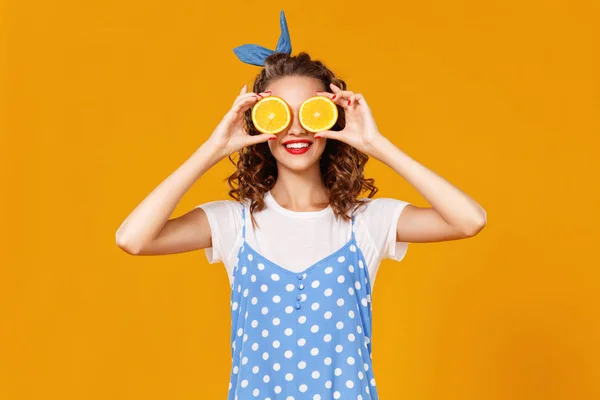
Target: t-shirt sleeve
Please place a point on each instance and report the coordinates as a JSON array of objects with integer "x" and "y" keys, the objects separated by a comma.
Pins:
[
  {"x": 381, "y": 218},
  {"x": 225, "y": 219}
]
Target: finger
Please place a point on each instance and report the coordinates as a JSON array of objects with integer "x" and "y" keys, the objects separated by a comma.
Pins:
[
  {"x": 341, "y": 93},
  {"x": 243, "y": 98},
  {"x": 357, "y": 99},
  {"x": 330, "y": 95},
  {"x": 244, "y": 89},
  {"x": 263, "y": 137},
  {"x": 340, "y": 98},
  {"x": 245, "y": 103},
  {"x": 248, "y": 100},
  {"x": 334, "y": 88},
  {"x": 329, "y": 135},
  {"x": 264, "y": 94},
  {"x": 258, "y": 95},
  {"x": 361, "y": 100},
  {"x": 337, "y": 90}
]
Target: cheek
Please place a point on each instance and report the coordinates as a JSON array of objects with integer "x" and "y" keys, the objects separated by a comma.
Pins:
[
  {"x": 321, "y": 145},
  {"x": 275, "y": 146}
]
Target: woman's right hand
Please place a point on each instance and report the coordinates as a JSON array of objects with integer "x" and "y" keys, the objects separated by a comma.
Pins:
[{"x": 230, "y": 136}]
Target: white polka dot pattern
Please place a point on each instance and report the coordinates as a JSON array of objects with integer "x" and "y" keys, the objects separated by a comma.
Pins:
[{"x": 301, "y": 335}]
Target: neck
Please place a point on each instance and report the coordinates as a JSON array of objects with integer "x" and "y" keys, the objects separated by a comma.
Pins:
[{"x": 300, "y": 190}]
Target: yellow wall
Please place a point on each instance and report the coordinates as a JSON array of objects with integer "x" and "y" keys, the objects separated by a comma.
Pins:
[{"x": 103, "y": 100}]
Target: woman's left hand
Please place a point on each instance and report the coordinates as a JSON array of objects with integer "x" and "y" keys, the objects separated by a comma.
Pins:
[{"x": 360, "y": 131}]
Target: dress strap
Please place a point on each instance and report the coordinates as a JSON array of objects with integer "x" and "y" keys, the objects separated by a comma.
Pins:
[
  {"x": 243, "y": 222},
  {"x": 353, "y": 226}
]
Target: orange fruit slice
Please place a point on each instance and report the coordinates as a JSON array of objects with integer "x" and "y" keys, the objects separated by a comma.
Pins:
[
  {"x": 271, "y": 114},
  {"x": 318, "y": 113}
]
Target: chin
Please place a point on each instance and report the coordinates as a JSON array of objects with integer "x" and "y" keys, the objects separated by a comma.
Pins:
[{"x": 298, "y": 165}]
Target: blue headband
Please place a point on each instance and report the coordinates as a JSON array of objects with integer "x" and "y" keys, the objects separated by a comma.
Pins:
[{"x": 255, "y": 54}]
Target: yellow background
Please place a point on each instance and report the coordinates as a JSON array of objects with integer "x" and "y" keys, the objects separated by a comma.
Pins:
[{"x": 102, "y": 100}]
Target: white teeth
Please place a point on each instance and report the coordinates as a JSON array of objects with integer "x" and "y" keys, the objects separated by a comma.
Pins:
[{"x": 296, "y": 145}]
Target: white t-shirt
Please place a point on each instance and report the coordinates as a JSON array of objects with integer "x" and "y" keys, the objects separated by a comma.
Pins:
[{"x": 297, "y": 239}]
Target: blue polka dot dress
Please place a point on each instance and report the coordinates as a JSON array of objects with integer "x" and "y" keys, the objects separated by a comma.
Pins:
[{"x": 301, "y": 335}]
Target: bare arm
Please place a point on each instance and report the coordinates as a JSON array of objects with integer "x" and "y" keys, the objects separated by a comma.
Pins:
[
  {"x": 454, "y": 214},
  {"x": 148, "y": 229}
]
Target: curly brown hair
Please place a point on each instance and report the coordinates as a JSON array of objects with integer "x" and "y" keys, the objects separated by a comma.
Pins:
[{"x": 341, "y": 165}]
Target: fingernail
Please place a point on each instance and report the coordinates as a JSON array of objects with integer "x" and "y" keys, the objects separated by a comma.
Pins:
[
  {"x": 259, "y": 95},
  {"x": 349, "y": 101},
  {"x": 334, "y": 96},
  {"x": 268, "y": 91},
  {"x": 317, "y": 137},
  {"x": 272, "y": 138}
]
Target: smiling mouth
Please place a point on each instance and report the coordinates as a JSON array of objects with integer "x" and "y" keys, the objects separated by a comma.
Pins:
[
  {"x": 297, "y": 145},
  {"x": 297, "y": 148}
]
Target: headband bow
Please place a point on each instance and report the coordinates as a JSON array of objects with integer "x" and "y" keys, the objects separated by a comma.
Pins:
[{"x": 256, "y": 55}]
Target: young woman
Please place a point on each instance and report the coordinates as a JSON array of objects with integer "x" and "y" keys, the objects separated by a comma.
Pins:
[{"x": 302, "y": 273}]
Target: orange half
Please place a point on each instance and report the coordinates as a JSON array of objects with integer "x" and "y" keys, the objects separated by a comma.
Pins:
[
  {"x": 318, "y": 113},
  {"x": 271, "y": 115}
]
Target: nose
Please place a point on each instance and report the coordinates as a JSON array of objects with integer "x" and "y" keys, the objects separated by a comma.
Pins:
[{"x": 295, "y": 127}]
